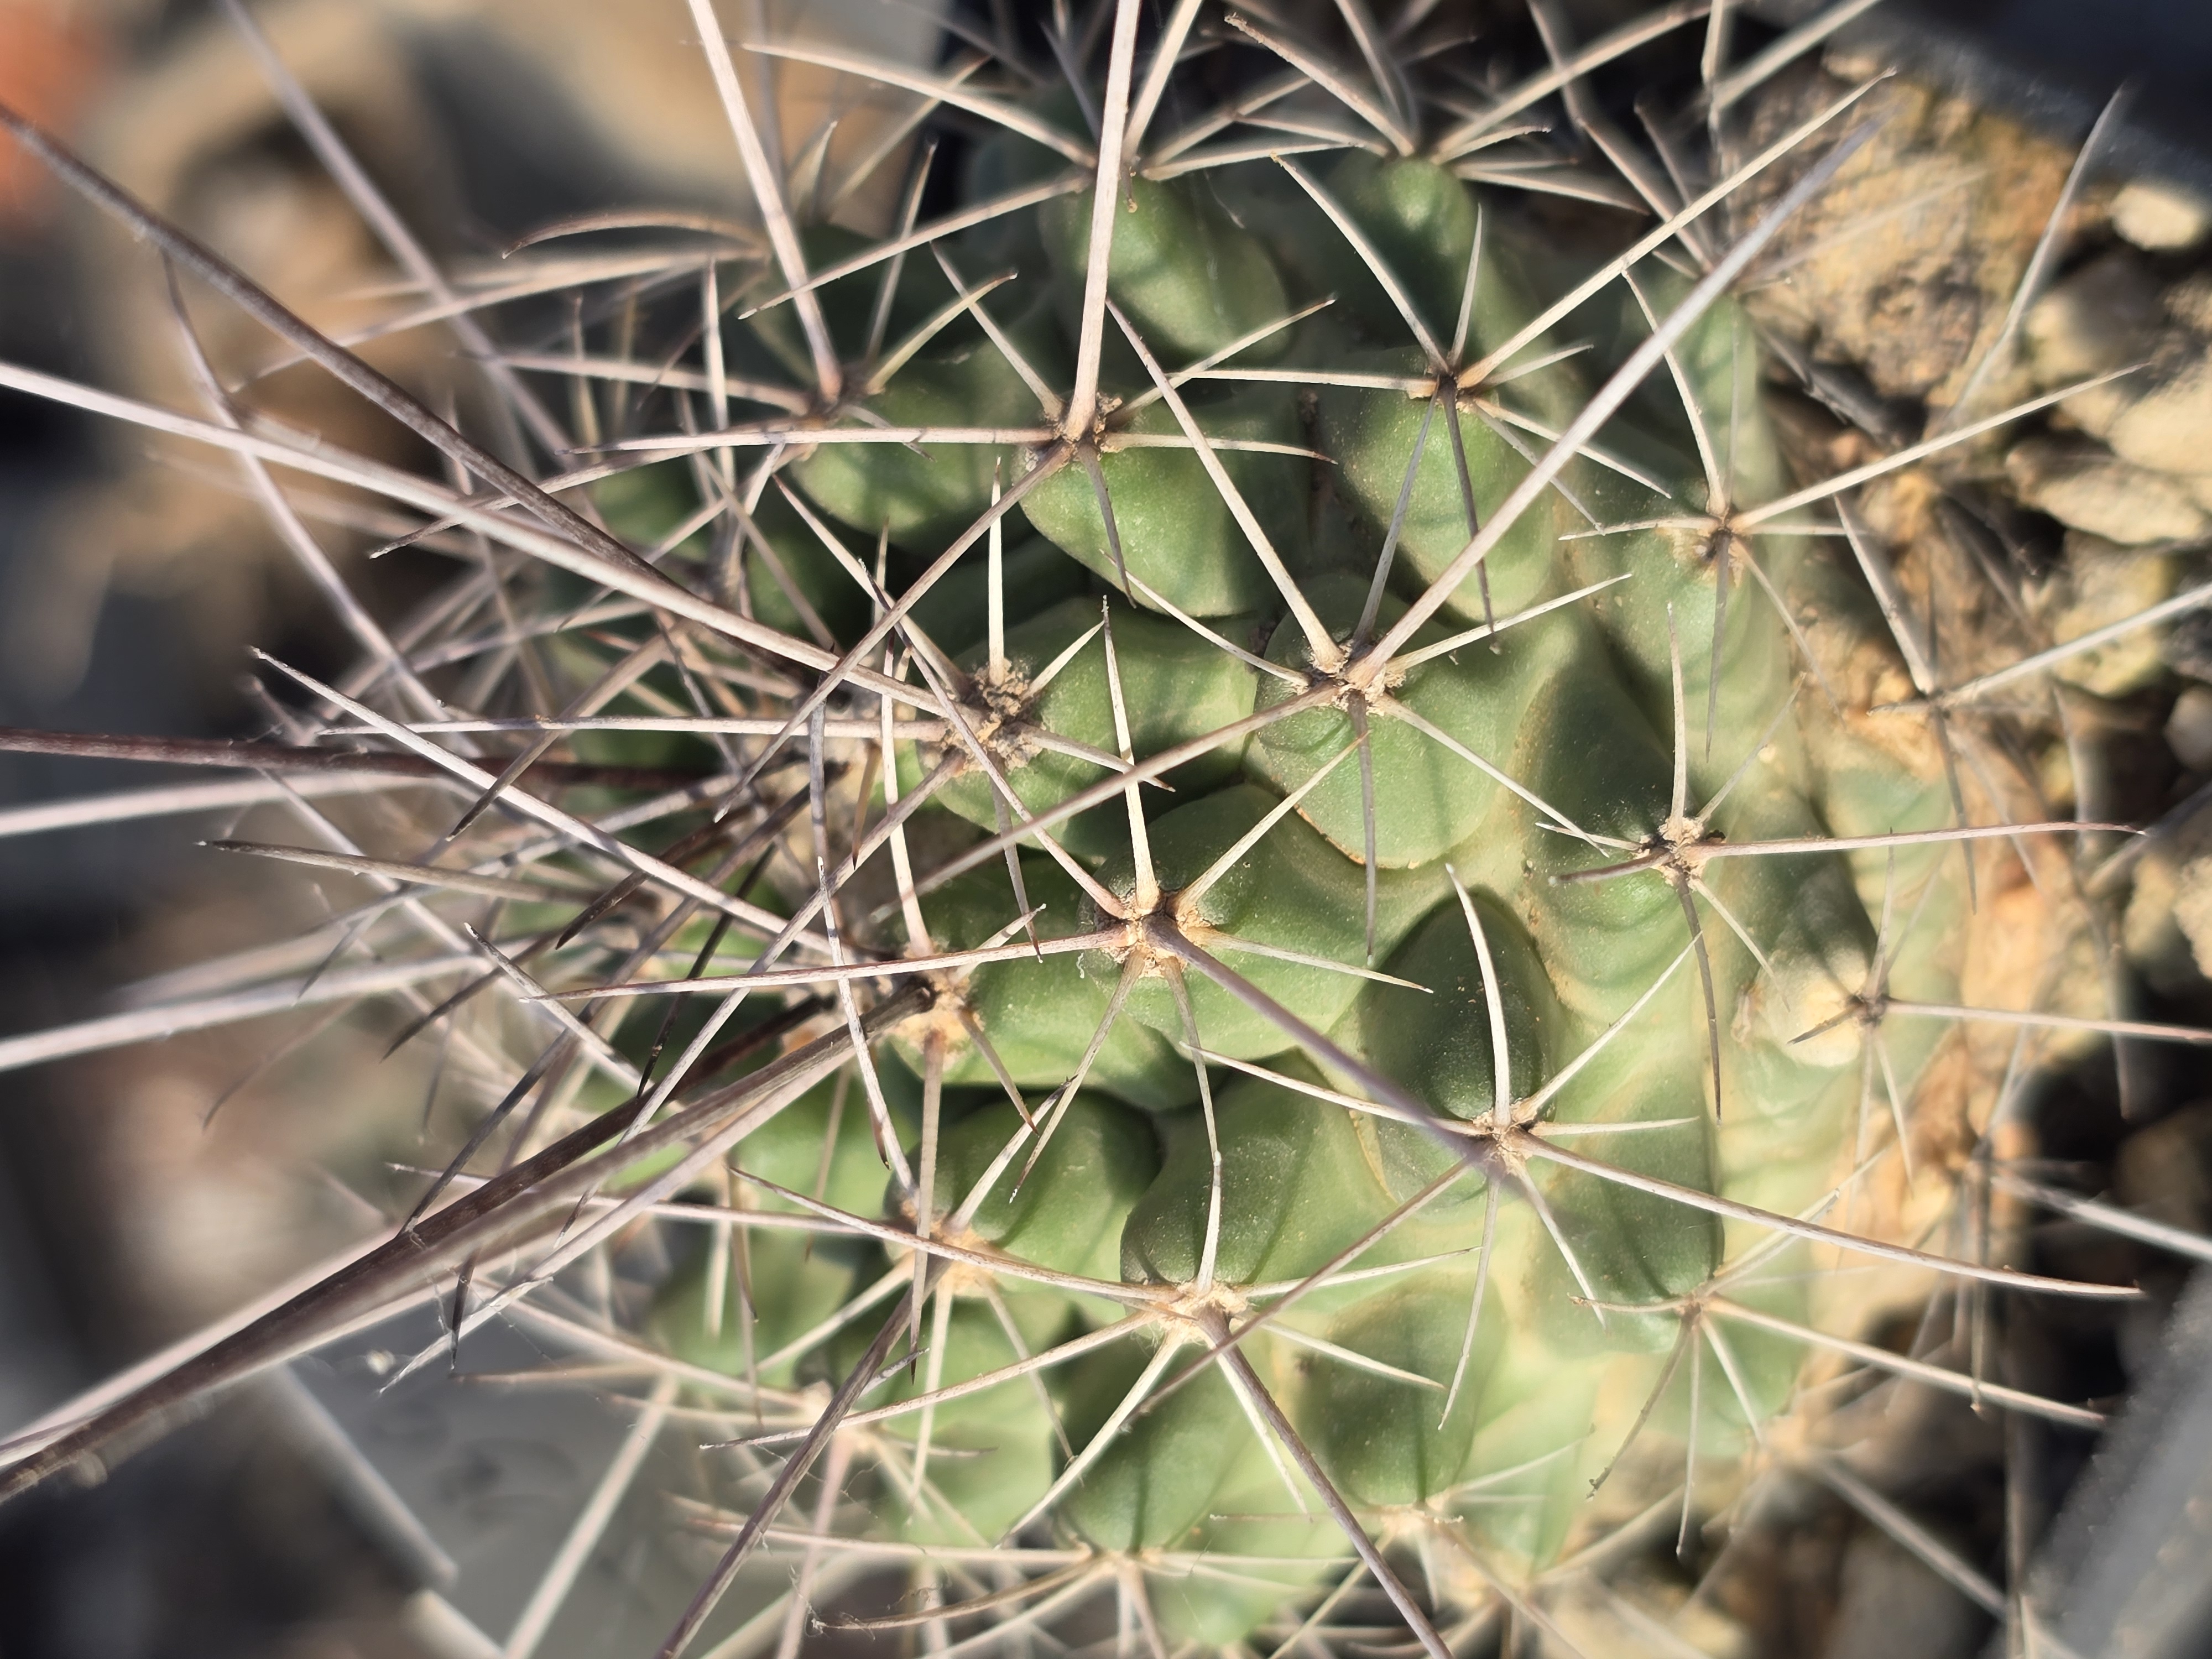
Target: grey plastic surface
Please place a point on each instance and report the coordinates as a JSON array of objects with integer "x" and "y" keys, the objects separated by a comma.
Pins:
[{"x": 2126, "y": 1572}]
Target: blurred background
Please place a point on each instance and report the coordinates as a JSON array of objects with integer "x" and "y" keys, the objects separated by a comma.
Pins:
[
  {"x": 129, "y": 591},
  {"x": 132, "y": 577}
]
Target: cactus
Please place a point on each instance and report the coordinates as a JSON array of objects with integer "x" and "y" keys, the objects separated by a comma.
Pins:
[{"x": 1264, "y": 899}]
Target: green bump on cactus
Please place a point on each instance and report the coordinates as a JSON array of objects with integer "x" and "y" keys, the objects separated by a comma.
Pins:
[
  {"x": 1631, "y": 1248},
  {"x": 1438, "y": 1041},
  {"x": 1041, "y": 1015},
  {"x": 1590, "y": 756},
  {"x": 992, "y": 1453},
  {"x": 1289, "y": 914},
  {"x": 955, "y": 615},
  {"x": 1157, "y": 1478},
  {"x": 1375, "y": 436},
  {"x": 1176, "y": 685},
  {"x": 1173, "y": 532},
  {"x": 1187, "y": 276},
  {"x": 1428, "y": 797},
  {"x": 922, "y": 497},
  {"x": 1068, "y": 1214},
  {"x": 1389, "y": 1440},
  {"x": 1295, "y": 1190}
]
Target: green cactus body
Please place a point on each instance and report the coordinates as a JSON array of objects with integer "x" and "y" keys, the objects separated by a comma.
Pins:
[
  {"x": 1554, "y": 759},
  {"x": 1301, "y": 1026}
]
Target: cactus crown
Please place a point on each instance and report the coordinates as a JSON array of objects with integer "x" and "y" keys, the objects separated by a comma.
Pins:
[{"x": 1247, "y": 892}]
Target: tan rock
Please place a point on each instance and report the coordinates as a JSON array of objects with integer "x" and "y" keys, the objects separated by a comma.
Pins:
[
  {"x": 1906, "y": 265},
  {"x": 2192, "y": 912},
  {"x": 2159, "y": 216},
  {"x": 2089, "y": 488},
  {"x": 2109, "y": 315},
  {"x": 2160, "y": 416},
  {"x": 2166, "y": 930},
  {"x": 2099, "y": 584},
  {"x": 2167, "y": 424},
  {"x": 2188, "y": 302},
  {"x": 2105, "y": 316},
  {"x": 2189, "y": 728}
]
